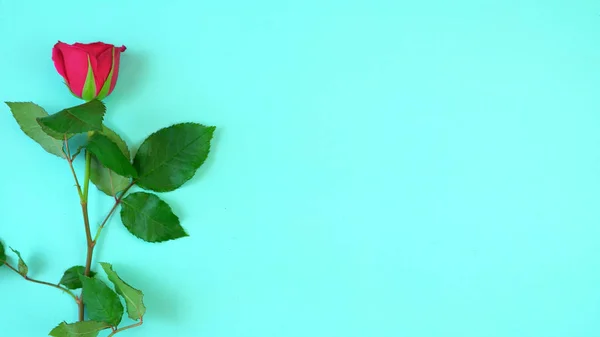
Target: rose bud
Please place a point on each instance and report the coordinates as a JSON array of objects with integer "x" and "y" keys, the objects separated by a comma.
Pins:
[{"x": 90, "y": 70}]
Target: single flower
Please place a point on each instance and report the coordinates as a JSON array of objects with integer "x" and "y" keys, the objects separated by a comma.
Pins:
[{"x": 90, "y": 70}]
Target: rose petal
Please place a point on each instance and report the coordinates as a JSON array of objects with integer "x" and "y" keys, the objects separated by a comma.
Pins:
[
  {"x": 118, "y": 52},
  {"x": 94, "y": 49},
  {"x": 102, "y": 66},
  {"x": 59, "y": 62},
  {"x": 75, "y": 65}
]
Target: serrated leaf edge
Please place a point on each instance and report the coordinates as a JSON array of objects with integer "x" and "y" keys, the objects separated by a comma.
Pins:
[
  {"x": 81, "y": 334},
  {"x": 105, "y": 266},
  {"x": 170, "y": 209},
  {"x": 191, "y": 176},
  {"x": 26, "y": 132},
  {"x": 68, "y": 110}
]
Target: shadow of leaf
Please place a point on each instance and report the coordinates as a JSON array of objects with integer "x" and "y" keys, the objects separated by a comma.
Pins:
[{"x": 163, "y": 301}]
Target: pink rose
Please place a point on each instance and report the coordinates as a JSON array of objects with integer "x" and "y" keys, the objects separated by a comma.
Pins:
[{"x": 90, "y": 70}]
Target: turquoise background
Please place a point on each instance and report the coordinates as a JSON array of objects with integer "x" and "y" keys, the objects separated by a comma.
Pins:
[{"x": 380, "y": 168}]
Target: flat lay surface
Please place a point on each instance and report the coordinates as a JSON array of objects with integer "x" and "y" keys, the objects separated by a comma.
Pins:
[{"x": 379, "y": 168}]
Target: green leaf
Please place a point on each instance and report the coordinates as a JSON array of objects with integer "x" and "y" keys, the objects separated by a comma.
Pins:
[
  {"x": 149, "y": 218},
  {"x": 2, "y": 255},
  {"x": 78, "y": 119},
  {"x": 71, "y": 278},
  {"x": 109, "y": 154},
  {"x": 133, "y": 297},
  {"x": 102, "y": 304},
  {"x": 26, "y": 114},
  {"x": 107, "y": 180},
  {"x": 171, "y": 156},
  {"x": 79, "y": 329},
  {"x": 23, "y": 269},
  {"x": 55, "y": 135}
]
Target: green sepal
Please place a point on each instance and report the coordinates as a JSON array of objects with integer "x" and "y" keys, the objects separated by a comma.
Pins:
[
  {"x": 106, "y": 86},
  {"x": 89, "y": 87}
]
